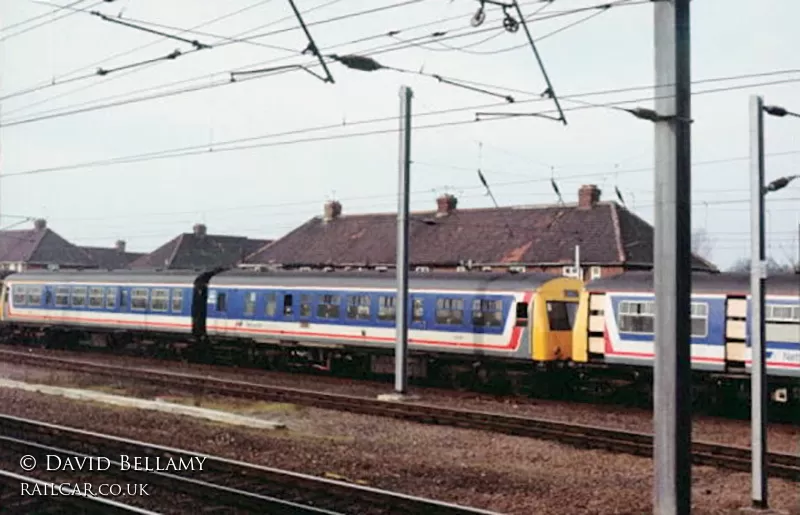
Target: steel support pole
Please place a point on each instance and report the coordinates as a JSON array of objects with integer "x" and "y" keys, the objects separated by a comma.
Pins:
[
  {"x": 672, "y": 260},
  {"x": 401, "y": 302},
  {"x": 758, "y": 272}
]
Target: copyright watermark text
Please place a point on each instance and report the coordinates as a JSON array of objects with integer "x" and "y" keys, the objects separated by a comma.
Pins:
[
  {"x": 85, "y": 489},
  {"x": 121, "y": 462}
]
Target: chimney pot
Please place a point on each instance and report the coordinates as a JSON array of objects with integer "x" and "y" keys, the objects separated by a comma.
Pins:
[
  {"x": 120, "y": 246},
  {"x": 588, "y": 196},
  {"x": 199, "y": 230},
  {"x": 446, "y": 204},
  {"x": 333, "y": 210},
  {"x": 40, "y": 224}
]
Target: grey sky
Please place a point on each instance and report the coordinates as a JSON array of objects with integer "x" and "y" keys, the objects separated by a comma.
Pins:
[{"x": 266, "y": 192}]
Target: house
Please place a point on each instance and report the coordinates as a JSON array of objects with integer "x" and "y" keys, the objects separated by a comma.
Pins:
[
  {"x": 113, "y": 258},
  {"x": 199, "y": 250},
  {"x": 40, "y": 248},
  {"x": 608, "y": 237}
]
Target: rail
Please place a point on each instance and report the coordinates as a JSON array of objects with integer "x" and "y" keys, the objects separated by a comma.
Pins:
[
  {"x": 222, "y": 482},
  {"x": 737, "y": 458}
]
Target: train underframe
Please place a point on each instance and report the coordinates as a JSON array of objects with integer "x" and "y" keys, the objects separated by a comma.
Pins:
[{"x": 725, "y": 393}]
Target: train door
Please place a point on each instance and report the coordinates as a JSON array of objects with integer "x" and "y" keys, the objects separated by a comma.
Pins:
[
  {"x": 218, "y": 309},
  {"x": 3, "y": 296},
  {"x": 417, "y": 314}
]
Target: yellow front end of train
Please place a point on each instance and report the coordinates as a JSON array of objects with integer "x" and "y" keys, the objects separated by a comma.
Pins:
[{"x": 554, "y": 306}]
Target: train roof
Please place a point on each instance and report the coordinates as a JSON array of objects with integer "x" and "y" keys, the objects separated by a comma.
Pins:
[
  {"x": 388, "y": 279},
  {"x": 735, "y": 283},
  {"x": 109, "y": 276}
]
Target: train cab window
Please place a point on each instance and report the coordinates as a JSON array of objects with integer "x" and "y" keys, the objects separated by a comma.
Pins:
[
  {"x": 636, "y": 316},
  {"x": 222, "y": 302},
  {"x": 386, "y": 309},
  {"x": 449, "y": 311},
  {"x": 305, "y": 306},
  {"x": 62, "y": 296},
  {"x": 159, "y": 300},
  {"x": 418, "y": 311},
  {"x": 271, "y": 306},
  {"x": 288, "y": 305},
  {"x": 328, "y": 306},
  {"x": 79, "y": 297},
  {"x": 358, "y": 307},
  {"x": 250, "y": 303},
  {"x": 34, "y": 295},
  {"x": 559, "y": 316},
  {"x": 177, "y": 300},
  {"x": 522, "y": 314},
  {"x": 139, "y": 299},
  {"x": 487, "y": 313},
  {"x": 18, "y": 293},
  {"x": 111, "y": 298},
  {"x": 699, "y": 319},
  {"x": 95, "y": 297}
]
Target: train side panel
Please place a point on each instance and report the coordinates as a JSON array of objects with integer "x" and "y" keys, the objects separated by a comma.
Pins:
[
  {"x": 95, "y": 302},
  {"x": 439, "y": 321}
]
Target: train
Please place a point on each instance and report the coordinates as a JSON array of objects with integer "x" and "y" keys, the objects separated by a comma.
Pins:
[{"x": 480, "y": 327}]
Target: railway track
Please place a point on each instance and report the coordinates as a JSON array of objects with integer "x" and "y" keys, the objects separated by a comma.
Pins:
[
  {"x": 704, "y": 453},
  {"x": 213, "y": 484}
]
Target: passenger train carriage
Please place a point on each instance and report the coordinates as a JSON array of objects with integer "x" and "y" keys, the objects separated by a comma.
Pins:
[
  {"x": 524, "y": 317},
  {"x": 517, "y": 317},
  {"x": 615, "y": 324}
]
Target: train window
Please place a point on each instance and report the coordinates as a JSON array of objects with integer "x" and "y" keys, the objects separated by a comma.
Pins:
[
  {"x": 386, "y": 309},
  {"x": 139, "y": 299},
  {"x": 560, "y": 316},
  {"x": 79, "y": 297},
  {"x": 272, "y": 304},
  {"x": 95, "y": 297},
  {"x": 159, "y": 300},
  {"x": 699, "y": 319},
  {"x": 522, "y": 314},
  {"x": 358, "y": 307},
  {"x": 328, "y": 306},
  {"x": 449, "y": 311},
  {"x": 782, "y": 313},
  {"x": 487, "y": 313},
  {"x": 62, "y": 296},
  {"x": 250, "y": 304},
  {"x": 636, "y": 316},
  {"x": 418, "y": 311},
  {"x": 111, "y": 297},
  {"x": 34, "y": 295},
  {"x": 305, "y": 305},
  {"x": 18, "y": 292},
  {"x": 177, "y": 300},
  {"x": 288, "y": 302},
  {"x": 222, "y": 302}
]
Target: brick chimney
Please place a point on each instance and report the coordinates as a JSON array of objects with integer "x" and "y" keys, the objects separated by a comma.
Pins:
[
  {"x": 40, "y": 224},
  {"x": 332, "y": 210},
  {"x": 446, "y": 204},
  {"x": 588, "y": 196},
  {"x": 120, "y": 246},
  {"x": 199, "y": 230}
]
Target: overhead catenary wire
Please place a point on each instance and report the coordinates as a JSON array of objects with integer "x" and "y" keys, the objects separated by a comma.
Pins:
[
  {"x": 220, "y": 147},
  {"x": 71, "y": 12},
  {"x": 224, "y": 41},
  {"x": 374, "y": 51}
]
